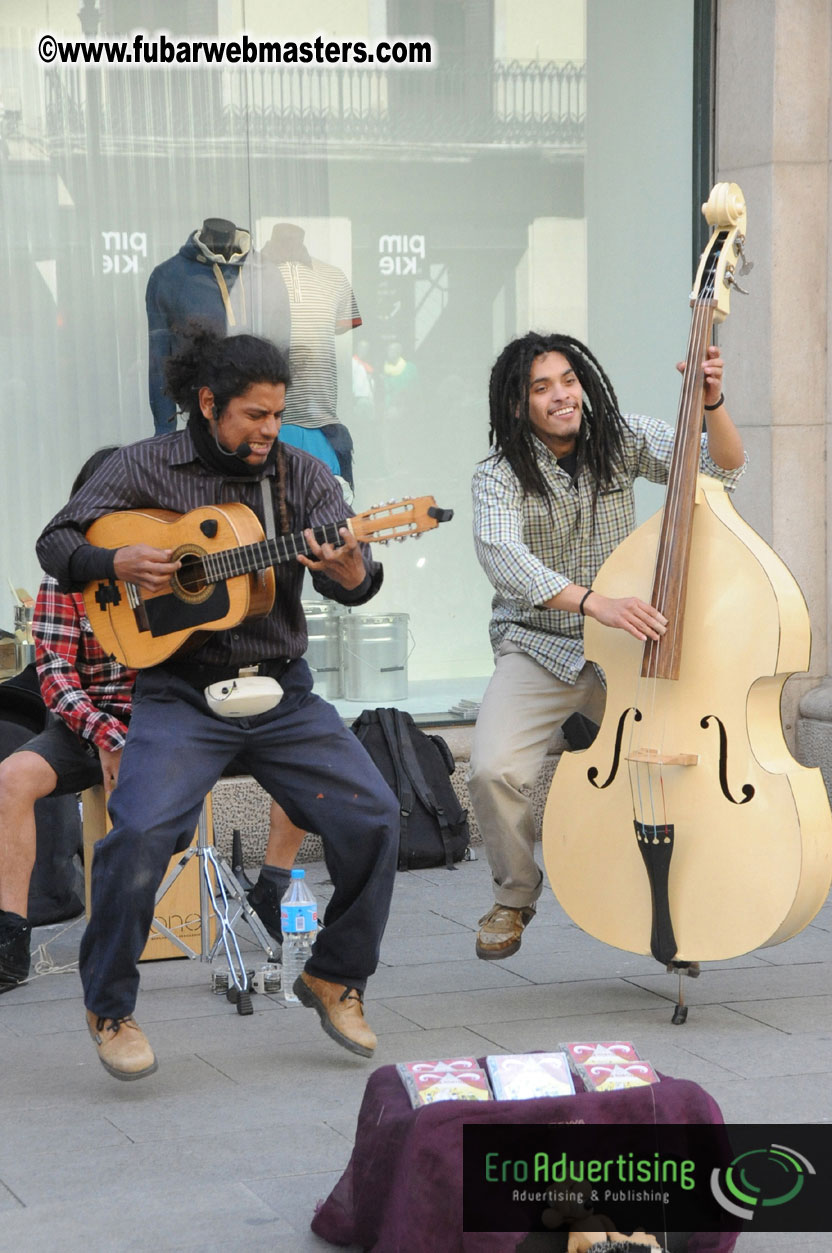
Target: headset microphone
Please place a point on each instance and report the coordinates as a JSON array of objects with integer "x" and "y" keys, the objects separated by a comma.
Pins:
[{"x": 242, "y": 450}]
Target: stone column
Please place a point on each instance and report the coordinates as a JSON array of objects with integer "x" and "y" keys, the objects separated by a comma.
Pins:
[{"x": 773, "y": 137}]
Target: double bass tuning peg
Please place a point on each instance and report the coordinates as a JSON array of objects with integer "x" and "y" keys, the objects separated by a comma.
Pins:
[
  {"x": 731, "y": 279},
  {"x": 746, "y": 266}
]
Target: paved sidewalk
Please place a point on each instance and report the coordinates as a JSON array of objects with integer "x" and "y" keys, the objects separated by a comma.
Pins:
[{"x": 249, "y": 1121}]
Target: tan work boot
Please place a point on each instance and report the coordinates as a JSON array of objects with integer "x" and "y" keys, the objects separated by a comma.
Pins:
[
  {"x": 123, "y": 1048},
  {"x": 501, "y": 931},
  {"x": 340, "y": 1010}
]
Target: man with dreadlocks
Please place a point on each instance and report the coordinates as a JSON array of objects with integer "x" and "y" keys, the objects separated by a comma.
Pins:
[
  {"x": 234, "y": 390},
  {"x": 552, "y": 500}
]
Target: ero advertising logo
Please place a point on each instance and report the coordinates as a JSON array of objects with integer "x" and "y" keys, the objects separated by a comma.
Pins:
[{"x": 760, "y": 1177}]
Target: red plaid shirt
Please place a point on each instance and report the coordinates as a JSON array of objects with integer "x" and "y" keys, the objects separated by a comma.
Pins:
[{"x": 78, "y": 680}]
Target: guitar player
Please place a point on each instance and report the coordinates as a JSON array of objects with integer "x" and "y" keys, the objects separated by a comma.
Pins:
[{"x": 233, "y": 391}]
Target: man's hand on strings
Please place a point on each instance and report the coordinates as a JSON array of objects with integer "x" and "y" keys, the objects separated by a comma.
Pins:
[
  {"x": 344, "y": 563},
  {"x": 712, "y": 368},
  {"x": 151, "y": 568},
  {"x": 627, "y": 614}
]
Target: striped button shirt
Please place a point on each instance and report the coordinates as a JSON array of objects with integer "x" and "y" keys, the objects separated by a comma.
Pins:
[
  {"x": 530, "y": 557},
  {"x": 166, "y": 473},
  {"x": 78, "y": 681}
]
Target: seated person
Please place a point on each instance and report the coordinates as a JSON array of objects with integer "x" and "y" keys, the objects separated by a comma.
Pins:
[{"x": 88, "y": 696}]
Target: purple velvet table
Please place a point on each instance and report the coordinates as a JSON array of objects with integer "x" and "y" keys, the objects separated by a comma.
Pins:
[{"x": 402, "y": 1189}]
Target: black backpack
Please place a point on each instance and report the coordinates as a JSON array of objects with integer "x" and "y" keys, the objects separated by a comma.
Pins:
[{"x": 434, "y": 826}]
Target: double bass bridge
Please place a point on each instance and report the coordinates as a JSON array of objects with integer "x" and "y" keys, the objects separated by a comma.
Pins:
[{"x": 654, "y": 757}]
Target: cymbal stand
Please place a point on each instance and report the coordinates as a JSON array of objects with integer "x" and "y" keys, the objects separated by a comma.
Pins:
[{"x": 222, "y": 899}]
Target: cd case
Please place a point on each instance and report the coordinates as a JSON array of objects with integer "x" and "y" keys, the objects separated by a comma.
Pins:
[
  {"x": 448, "y": 1079},
  {"x": 524, "y": 1076}
]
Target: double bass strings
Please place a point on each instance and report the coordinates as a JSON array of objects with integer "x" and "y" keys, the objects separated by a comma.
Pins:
[{"x": 684, "y": 447}]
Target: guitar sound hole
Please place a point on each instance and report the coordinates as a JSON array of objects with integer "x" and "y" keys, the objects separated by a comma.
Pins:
[{"x": 191, "y": 575}]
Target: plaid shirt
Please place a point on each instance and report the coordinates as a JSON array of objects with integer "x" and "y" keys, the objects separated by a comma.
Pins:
[
  {"x": 530, "y": 557},
  {"x": 78, "y": 681}
]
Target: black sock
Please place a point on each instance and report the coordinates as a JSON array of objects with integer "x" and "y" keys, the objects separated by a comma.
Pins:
[
  {"x": 14, "y": 920},
  {"x": 279, "y": 876}
]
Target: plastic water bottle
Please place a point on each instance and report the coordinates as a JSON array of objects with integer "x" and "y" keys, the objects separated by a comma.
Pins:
[{"x": 299, "y": 924}]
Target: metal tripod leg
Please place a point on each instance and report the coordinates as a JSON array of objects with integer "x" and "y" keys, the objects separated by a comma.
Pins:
[{"x": 214, "y": 899}]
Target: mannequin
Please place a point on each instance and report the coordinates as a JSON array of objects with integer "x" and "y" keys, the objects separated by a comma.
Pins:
[
  {"x": 217, "y": 278},
  {"x": 218, "y": 234},
  {"x": 322, "y": 305}
]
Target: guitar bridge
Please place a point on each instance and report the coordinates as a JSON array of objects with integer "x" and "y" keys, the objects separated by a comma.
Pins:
[{"x": 134, "y": 600}]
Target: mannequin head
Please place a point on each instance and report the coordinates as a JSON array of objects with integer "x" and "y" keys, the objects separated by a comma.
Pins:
[{"x": 219, "y": 235}]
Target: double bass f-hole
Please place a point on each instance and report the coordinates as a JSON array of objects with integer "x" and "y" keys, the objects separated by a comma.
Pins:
[
  {"x": 747, "y": 788},
  {"x": 681, "y": 759},
  {"x": 592, "y": 773}
]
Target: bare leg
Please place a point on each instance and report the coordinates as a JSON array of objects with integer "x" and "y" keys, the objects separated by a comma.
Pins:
[
  {"x": 284, "y": 839},
  {"x": 24, "y": 778}
]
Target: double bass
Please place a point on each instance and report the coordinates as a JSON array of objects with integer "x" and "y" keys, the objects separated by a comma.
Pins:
[{"x": 687, "y": 830}]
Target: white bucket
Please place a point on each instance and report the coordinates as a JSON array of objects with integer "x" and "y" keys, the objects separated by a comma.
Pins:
[
  {"x": 323, "y": 654},
  {"x": 374, "y": 652}
]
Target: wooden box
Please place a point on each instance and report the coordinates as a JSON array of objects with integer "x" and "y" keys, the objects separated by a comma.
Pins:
[{"x": 178, "y": 909}]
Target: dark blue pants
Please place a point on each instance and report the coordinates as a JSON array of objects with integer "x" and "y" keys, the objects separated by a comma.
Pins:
[{"x": 302, "y": 754}]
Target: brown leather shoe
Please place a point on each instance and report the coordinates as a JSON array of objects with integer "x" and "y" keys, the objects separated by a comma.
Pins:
[
  {"x": 123, "y": 1048},
  {"x": 501, "y": 931},
  {"x": 340, "y": 1010}
]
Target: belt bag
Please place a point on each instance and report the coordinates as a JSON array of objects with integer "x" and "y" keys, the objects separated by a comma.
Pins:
[{"x": 243, "y": 697}]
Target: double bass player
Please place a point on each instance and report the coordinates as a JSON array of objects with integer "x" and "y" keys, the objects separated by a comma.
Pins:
[{"x": 552, "y": 500}]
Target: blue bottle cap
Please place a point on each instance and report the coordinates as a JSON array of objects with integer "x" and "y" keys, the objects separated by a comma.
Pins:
[{"x": 298, "y": 874}]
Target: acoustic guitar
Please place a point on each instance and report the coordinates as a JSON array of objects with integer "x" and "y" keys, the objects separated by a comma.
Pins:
[
  {"x": 688, "y": 830},
  {"x": 227, "y": 570}
]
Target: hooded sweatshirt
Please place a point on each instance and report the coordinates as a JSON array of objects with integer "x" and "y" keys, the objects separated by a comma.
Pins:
[{"x": 244, "y": 292}]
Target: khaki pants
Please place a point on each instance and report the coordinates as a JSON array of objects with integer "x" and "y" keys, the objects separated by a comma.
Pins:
[{"x": 523, "y": 704}]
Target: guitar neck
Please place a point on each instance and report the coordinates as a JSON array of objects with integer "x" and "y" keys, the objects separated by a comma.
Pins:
[{"x": 250, "y": 558}]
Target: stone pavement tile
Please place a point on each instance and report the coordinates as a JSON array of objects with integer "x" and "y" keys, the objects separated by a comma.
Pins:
[
  {"x": 655, "y": 1039},
  {"x": 717, "y": 985},
  {"x": 47, "y": 1016},
  {"x": 428, "y": 949},
  {"x": 283, "y": 1099},
  {"x": 793, "y": 1014},
  {"x": 53, "y": 987},
  {"x": 774, "y": 1099},
  {"x": 507, "y": 1004},
  {"x": 295, "y": 1200},
  {"x": 8, "y": 1201},
  {"x": 272, "y": 1054},
  {"x": 77, "y": 1078},
  {"x": 823, "y": 918},
  {"x": 439, "y": 978},
  {"x": 422, "y": 921},
  {"x": 194, "y": 1157},
  {"x": 458, "y": 1041},
  {"x": 31, "y": 1130},
  {"x": 285, "y": 1078},
  {"x": 812, "y": 944},
  {"x": 184, "y": 1216}
]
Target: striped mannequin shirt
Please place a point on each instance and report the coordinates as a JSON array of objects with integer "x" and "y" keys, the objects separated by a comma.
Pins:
[
  {"x": 529, "y": 557},
  {"x": 323, "y": 305}
]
